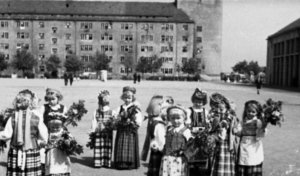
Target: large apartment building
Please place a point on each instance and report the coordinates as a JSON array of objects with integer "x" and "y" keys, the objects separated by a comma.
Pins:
[{"x": 172, "y": 31}]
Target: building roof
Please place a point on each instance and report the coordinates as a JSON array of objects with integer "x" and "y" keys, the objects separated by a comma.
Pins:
[
  {"x": 292, "y": 26},
  {"x": 146, "y": 10}
]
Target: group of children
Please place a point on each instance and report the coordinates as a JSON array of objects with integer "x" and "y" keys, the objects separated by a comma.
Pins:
[{"x": 170, "y": 127}]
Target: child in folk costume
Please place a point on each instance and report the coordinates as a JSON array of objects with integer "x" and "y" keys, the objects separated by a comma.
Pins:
[
  {"x": 174, "y": 162},
  {"x": 57, "y": 163},
  {"x": 104, "y": 136},
  {"x": 251, "y": 131},
  {"x": 197, "y": 120},
  {"x": 26, "y": 129},
  {"x": 126, "y": 154},
  {"x": 223, "y": 121},
  {"x": 155, "y": 138}
]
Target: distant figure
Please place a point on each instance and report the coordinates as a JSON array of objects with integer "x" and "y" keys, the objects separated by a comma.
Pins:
[
  {"x": 139, "y": 78},
  {"x": 71, "y": 78},
  {"x": 134, "y": 78},
  {"x": 258, "y": 83},
  {"x": 66, "y": 77}
]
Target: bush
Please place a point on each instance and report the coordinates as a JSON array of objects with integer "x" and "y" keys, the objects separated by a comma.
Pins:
[
  {"x": 47, "y": 75},
  {"x": 5, "y": 76},
  {"x": 29, "y": 74},
  {"x": 127, "y": 78}
]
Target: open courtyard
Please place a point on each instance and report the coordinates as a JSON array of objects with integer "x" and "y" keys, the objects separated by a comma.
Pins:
[{"x": 281, "y": 145}]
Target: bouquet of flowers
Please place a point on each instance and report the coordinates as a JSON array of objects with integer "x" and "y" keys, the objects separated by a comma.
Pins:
[
  {"x": 75, "y": 113},
  {"x": 4, "y": 116},
  {"x": 91, "y": 143},
  {"x": 127, "y": 118},
  {"x": 66, "y": 143},
  {"x": 272, "y": 111},
  {"x": 110, "y": 124},
  {"x": 219, "y": 121}
]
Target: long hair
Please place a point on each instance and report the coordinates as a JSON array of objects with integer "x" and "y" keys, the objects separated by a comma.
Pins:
[
  {"x": 158, "y": 105},
  {"x": 256, "y": 106}
]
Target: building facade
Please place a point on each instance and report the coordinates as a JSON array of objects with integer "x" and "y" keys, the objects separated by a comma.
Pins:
[
  {"x": 283, "y": 56},
  {"x": 123, "y": 30}
]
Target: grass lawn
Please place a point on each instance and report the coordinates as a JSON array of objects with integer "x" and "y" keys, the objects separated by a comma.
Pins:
[{"x": 281, "y": 145}]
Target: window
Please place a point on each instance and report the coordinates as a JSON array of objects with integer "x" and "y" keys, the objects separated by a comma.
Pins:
[
  {"x": 4, "y": 46},
  {"x": 4, "y": 24},
  {"x": 122, "y": 59},
  {"x": 126, "y": 38},
  {"x": 126, "y": 48},
  {"x": 22, "y": 46},
  {"x": 167, "y": 27},
  {"x": 5, "y": 35},
  {"x": 6, "y": 57},
  {"x": 167, "y": 59},
  {"x": 185, "y": 27},
  {"x": 68, "y": 47},
  {"x": 68, "y": 25},
  {"x": 42, "y": 68},
  {"x": 87, "y": 69},
  {"x": 106, "y": 37},
  {"x": 199, "y": 28},
  {"x": 167, "y": 38},
  {"x": 86, "y": 25},
  {"x": 106, "y": 47},
  {"x": 54, "y": 41},
  {"x": 122, "y": 70},
  {"x": 54, "y": 50},
  {"x": 22, "y": 35},
  {"x": 199, "y": 39},
  {"x": 185, "y": 38},
  {"x": 146, "y": 38},
  {"x": 167, "y": 70},
  {"x": 184, "y": 59},
  {"x": 184, "y": 49},
  {"x": 146, "y": 48},
  {"x": 106, "y": 26},
  {"x": 22, "y": 24},
  {"x": 166, "y": 49},
  {"x": 86, "y": 58},
  {"x": 68, "y": 36},
  {"x": 86, "y": 36},
  {"x": 41, "y": 57},
  {"x": 86, "y": 47},
  {"x": 110, "y": 69},
  {"x": 41, "y": 24},
  {"x": 54, "y": 30},
  {"x": 41, "y": 35},
  {"x": 147, "y": 26},
  {"x": 41, "y": 46},
  {"x": 126, "y": 26}
]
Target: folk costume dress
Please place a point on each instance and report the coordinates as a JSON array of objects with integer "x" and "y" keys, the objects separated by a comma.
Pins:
[
  {"x": 173, "y": 162},
  {"x": 126, "y": 154},
  {"x": 197, "y": 118},
  {"x": 24, "y": 129},
  {"x": 157, "y": 132},
  {"x": 251, "y": 153},
  {"x": 57, "y": 162},
  {"x": 224, "y": 159},
  {"x": 59, "y": 108},
  {"x": 104, "y": 137}
]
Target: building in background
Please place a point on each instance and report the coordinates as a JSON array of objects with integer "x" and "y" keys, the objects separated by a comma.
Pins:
[
  {"x": 173, "y": 31},
  {"x": 283, "y": 56}
]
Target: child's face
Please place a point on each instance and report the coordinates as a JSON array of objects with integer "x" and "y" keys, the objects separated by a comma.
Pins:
[
  {"x": 23, "y": 101},
  {"x": 55, "y": 126},
  {"x": 198, "y": 104},
  {"x": 251, "y": 113},
  {"x": 221, "y": 107},
  {"x": 128, "y": 98},
  {"x": 53, "y": 101},
  {"x": 176, "y": 116}
]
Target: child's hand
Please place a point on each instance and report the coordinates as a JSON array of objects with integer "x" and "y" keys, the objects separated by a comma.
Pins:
[{"x": 43, "y": 144}]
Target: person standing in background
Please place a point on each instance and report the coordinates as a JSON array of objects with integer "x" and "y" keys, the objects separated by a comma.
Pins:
[
  {"x": 71, "y": 78},
  {"x": 139, "y": 78},
  {"x": 66, "y": 77},
  {"x": 258, "y": 83},
  {"x": 134, "y": 77}
]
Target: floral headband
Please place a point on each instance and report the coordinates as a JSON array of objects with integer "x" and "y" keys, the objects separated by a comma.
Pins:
[
  {"x": 177, "y": 106},
  {"x": 199, "y": 95},
  {"x": 217, "y": 98},
  {"x": 131, "y": 89}
]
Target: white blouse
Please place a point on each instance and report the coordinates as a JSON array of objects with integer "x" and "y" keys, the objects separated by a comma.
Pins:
[
  {"x": 159, "y": 134},
  {"x": 94, "y": 120}
]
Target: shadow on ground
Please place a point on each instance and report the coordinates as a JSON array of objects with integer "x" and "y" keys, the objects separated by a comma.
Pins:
[{"x": 86, "y": 161}]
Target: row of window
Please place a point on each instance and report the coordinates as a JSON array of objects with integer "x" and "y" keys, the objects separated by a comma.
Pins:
[{"x": 89, "y": 25}]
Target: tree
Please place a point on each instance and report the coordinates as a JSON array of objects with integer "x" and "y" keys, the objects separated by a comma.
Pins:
[
  {"x": 52, "y": 65},
  {"x": 128, "y": 63},
  {"x": 191, "y": 66},
  {"x": 253, "y": 66},
  {"x": 73, "y": 63},
  {"x": 155, "y": 63},
  {"x": 144, "y": 65},
  {"x": 100, "y": 61},
  {"x": 246, "y": 68},
  {"x": 23, "y": 60},
  {"x": 3, "y": 63}
]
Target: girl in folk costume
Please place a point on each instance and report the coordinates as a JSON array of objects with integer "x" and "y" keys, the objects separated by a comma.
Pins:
[
  {"x": 251, "y": 131},
  {"x": 155, "y": 138},
  {"x": 25, "y": 127},
  {"x": 223, "y": 120},
  {"x": 126, "y": 154},
  {"x": 57, "y": 163},
  {"x": 104, "y": 136},
  {"x": 174, "y": 162},
  {"x": 197, "y": 120}
]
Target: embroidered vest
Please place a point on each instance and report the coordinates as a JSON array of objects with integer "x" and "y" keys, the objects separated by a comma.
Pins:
[
  {"x": 103, "y": 116},
  {"x": 48, "y": 110},
  {"x": 198, "y": 118},
  {"x": 34, "y": 130},
  {"x": 174, "y": 141},
  {"x": 249, "y": 129}
]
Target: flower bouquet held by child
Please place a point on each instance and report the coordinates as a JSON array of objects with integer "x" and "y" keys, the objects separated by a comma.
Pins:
[
  {"x": 126, "y": 143},
  {"x": 101, "y": 137},
  {"x": 25, "y": 128},
  {"x": 4, "y": 116},
  {"x": 272, "y": 112}
]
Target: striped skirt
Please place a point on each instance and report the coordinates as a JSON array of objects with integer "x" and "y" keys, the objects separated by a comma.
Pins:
[
  {"x": 250, "y": 170},
  {"x": 154, "y": 163},
  {"x": 126, "y": 154},
  {"x": 32, "y": 163},
  {"x": 103, "y": 149},
  {"x": 223, "y": 163}
]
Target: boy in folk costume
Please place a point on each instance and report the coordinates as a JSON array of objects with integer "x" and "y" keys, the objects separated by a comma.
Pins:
[
  {"x": 126, "y": 154},
  {"x": 197, "y": 121},
  {"x": 104, "y": 136},
  {"x": 25, "y": 127},
  {"x": 155, "y": 138},
  {"x": 223, "y": 121}
]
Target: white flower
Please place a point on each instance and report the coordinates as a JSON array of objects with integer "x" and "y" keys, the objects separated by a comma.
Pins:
[
  {"x": 154, "y": 145},
  {"x": 276, "y": 113}
]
